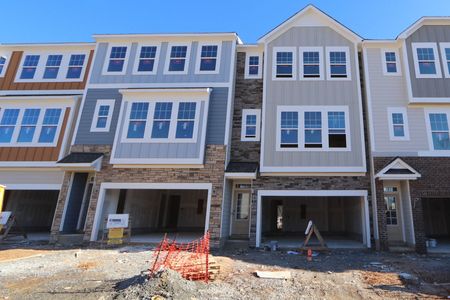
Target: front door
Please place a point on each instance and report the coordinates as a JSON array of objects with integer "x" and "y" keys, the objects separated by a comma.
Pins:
[
  {"x": 393, "y": 208},
  {"x": 240, "y": 214}
]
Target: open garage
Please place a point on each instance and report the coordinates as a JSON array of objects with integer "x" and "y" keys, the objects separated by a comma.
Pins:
[
  {"x": 342, "y": 219},
  {"x": 436, "y": 216}
]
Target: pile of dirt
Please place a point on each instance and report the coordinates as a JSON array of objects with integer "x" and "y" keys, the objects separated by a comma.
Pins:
[{"x": 167, "y": 284}]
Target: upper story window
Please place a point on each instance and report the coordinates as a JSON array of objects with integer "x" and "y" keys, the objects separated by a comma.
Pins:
[
  {"x": 289, "y": 129},
  {"x": 338, "y": 63},
  {"x": 208, "y": 61},
  {"x": 138, "y": 120},
  {"x": 426, "y": 61},
  {"x": 398, "y": 123},
  {"x": 101, "y": 121},
  {"x": 161, "y": 120},
  {"x": 186, "y": 120},
  {"x": 252, "y": 66},
  {"x": 29, "y": 66},
  {"x": 445, "y": 55},
  {"x": 117, "y": 57},
  {"x": 52, "y": 66},
  {"x": 29, "y": 127},
  {"x": 439, "y": 131},
  {"x": 313, "y": 129},
  {"x": 250, "y": 130},
  {"x": 284, "y": 63},
  {"x": 147, "y": 60},
  {"x": 178, "y": 59},
  {"x": 75, "y": 67},
  {"x": 390, "y": 60},
  {"x": 311, "y": 63},
  {"x": 2, "y": 64},
  {"x": 337, "y": 131}
]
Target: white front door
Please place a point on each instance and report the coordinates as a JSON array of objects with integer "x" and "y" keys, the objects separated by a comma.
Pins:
[
  {"x": 394, "y": 220},
  {"x": 240, "y": 213}
]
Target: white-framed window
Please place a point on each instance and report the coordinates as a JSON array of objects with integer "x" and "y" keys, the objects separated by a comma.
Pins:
[
  {"x": 137, "y": 120},
  {"x": 162, "y": 118},
  {"x": 29, "y": 66},
  {"x": 445, "y": 56},
  {"x": 186, "y": 120},
  {"x": 52, "y": 66},
  {"x": 426, "y": 60},
  {"x": 76, "y": 66},
  {"x": 177, "y": 59},
  {"x": 313, "y": 128},
  {"x": 311, "y": 63},
  {"x": 147, "y": 59},
  {"x": 398, "y": 124},
  {"x": 250, "y": 125},
  {"x": 438, "y": 130},
  {"x": 30, "y": 126},
  {"x": 208, "y": 58},
  {"x": 391, "y": 62},
  {"x": 104, "y": 109},
  {"x": 253, "y": 69},
  {"x": 3, "y": 60},
  {"x": 284, "y": 63},
  {"x": 338, "y": 63},
  {"x": 116, "y": 60},
  {"x": 390, "y": 200}
]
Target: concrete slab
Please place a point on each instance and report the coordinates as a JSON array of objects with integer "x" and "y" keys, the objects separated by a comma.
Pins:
[
  {"x": 335, "y": 242},
  {"x": 443, "y": 246}
]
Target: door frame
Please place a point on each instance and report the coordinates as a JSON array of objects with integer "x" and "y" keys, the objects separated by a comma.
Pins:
[{"x": 232, "y": 214}]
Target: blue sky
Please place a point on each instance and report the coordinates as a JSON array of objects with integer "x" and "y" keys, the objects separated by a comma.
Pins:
[{"x": 73, "y": 21}]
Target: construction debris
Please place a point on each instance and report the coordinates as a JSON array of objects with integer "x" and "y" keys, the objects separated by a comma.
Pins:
[{"x": 274, "y": 274}]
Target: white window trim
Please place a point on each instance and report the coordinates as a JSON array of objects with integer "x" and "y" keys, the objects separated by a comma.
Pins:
[
  {"x": 247, "y": 74},
  {"x": 397, "y": 62},
  {"x": 149, "y": 122},
  {"x": 403, "y": 111},
  {"x": 103, "y": 102},
  {"x": 7, "y": 57},
  {"x": 347, "y": 64},
  {"x": 301, "y": 128},
  {"x": 321, "y": 69},
  {"x": 108, "y": 54},
  {"x": 245, "y": 113},
  {"x": 275, "y": 50},
  {"x": 427, "y": 112},
  {"x": 436, "y": 60},
  {"x": 444, "y": 58},
  {"x": 187, "y": 61},
  {"x": 199, "y": 54},
  {"x": 39, "y": 125},
  {"x": 63, "y": 67},
  {"x": 137, "y": 58}
]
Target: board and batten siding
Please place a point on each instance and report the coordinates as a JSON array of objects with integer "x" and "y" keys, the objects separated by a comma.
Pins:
[
  {"x": 160, "y": 77},
  {"x": 215, "y": 132},
  {"x": 429, "y": 87},
  {"x": 313, "y": 93},
  {"x": 391, "y": 91}
]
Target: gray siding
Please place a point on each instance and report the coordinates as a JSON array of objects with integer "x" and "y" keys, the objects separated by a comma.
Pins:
[
  {"x": 84, "y": 134},
  {"x": 320, "y": 92},
  {"x": 390, "y": 91},
  {"x": 217, "y": 116},
  {"x": 429, "y": 87},
  {"x": 160, "y": 77}
]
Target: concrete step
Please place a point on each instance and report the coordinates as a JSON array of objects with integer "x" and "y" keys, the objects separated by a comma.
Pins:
[{"x": 70, "y": 239}]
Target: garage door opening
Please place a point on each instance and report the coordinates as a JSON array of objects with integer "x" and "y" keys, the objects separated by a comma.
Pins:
[
  {"x": 340, "y": 220},
  {"x": 33, "y": 209},
  {"x": 153, "y": 212},
  {"x": 436, "y": 216}
]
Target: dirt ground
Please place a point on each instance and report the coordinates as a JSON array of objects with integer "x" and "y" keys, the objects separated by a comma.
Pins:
[{"x": 58, "y": 273}]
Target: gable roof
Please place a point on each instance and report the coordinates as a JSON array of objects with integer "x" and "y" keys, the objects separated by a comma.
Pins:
[
  {"x": 340, "y": 28},
  {"x": 423, "y": 21},
  {"x": 397, "y": 169}
]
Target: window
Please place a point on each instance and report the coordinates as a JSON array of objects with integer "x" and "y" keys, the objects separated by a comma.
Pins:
[
  {"x": 445, "y": 54},
  {"x": 242, "y": 206},
  {"x": 250, "y": 130},
  {"x": 101, "y": 120},
  {"x": 178, "y": 59},
  {"x": 2, "y": 64},
  {"x": 29, "y": 66},
  {"x": 252, "y": 67},
  {"x": 161, "y": 120},
  {"x": 311, "y": 63},
  {"x": 398, "y": 123},
  {"x": 289, "y": 129},
  {"x": 439, "y": 131},
  {"x": 208, "y": 60},
  {"x": 313, "y": 129},
  {"x": 147, "y": 61},
  {"x": 76, "y": 64},
  {"x": 391, "y": 209},
  {"x": 52, "y": 66},
  {"x": 390, "y": 60},
  {"x": 50, "y": 125},
  {"x": 8, "y": 124},
  {"x": 338, "y": 63},
  {"x": 337, "y": 137},
  {"x": 28, "y": 127},
  {"x": 117, "y": 57},
  {"x": 284, "y": 63},
  {"x": 138, "y": 120},
  {"x": 426, "y": 62},
  {"x": 186, "y": 120}
]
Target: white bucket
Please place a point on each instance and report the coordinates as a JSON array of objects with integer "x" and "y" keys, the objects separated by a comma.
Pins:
[{"x": 432, "y": 243}]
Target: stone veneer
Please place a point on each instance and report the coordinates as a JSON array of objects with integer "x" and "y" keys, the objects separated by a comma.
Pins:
[
  {"x": 213, "y": 172},
  {"x": 434, "y": 183}
]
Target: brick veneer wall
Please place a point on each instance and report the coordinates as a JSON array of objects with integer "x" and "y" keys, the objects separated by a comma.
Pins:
[
  {"x": 434, "y": 183},
  {"x": 213, "y": 172}
]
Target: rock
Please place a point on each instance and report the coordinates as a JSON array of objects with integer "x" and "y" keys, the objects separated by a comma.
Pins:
[{"x": 408, "y": 278}]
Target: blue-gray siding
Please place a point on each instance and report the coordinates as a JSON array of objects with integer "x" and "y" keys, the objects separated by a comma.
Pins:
[{"x": 160, "y": 77}]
